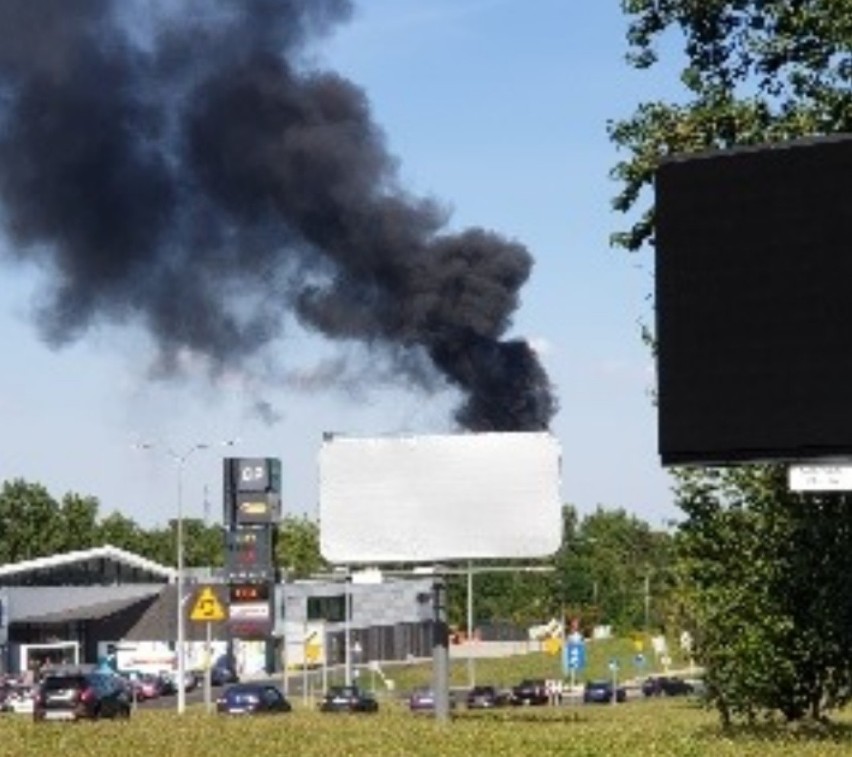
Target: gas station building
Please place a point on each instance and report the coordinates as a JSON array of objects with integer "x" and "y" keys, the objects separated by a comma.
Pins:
[{"x": 72, "y": 608}]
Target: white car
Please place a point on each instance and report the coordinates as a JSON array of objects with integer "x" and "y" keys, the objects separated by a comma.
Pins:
[{"x": 21, "y": 700}]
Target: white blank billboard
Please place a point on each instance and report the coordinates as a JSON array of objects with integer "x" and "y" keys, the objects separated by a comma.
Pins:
[{"x": 438, "y": 498}]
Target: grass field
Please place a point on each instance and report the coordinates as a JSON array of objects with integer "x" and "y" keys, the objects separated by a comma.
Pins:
[
  {"x": 676, "y": 727},
  {"x": 507, "y": 671},
  {"x": 658, "y": 727}
]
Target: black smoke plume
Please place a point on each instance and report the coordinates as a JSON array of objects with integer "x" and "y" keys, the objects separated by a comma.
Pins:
[{"x": 192, "y": 173}]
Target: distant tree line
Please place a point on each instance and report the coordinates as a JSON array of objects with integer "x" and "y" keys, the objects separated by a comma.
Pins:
[{"x": 612, "y": 567}]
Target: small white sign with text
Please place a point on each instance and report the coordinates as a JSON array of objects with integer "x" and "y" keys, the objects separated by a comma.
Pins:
[{"x": 820, "y": 478}]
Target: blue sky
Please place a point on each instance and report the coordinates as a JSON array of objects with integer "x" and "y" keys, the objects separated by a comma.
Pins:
[{"x": 498, "y": 109}]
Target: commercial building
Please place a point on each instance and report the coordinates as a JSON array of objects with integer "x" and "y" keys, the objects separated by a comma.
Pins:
[{"x": 76, "y": 607}]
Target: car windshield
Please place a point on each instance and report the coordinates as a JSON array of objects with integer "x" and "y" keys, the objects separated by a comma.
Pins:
[{"x": 57, "y": 683}]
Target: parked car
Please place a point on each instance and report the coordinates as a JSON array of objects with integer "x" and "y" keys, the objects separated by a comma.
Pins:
[
  {"x": 20, "y": 699},
  {"x": 603, "y": 692},
  {"x": 669, "y": 686},
  {"x": 223, "y": 672},
  {"x": 252, "y": 699},
  {"x": 486, "y": 698},
  {"x": 76, "y": 695},
  {"x": 170, "y": 681},
  {"x": 348, "y": 699},
  {"x": 530, "y": 691},
  {"x": 148, "y": 686},
  {"x": 423, "y": 700}
]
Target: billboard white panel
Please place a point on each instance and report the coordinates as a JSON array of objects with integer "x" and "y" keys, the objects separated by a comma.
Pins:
[{"x": 438, "y": 498}]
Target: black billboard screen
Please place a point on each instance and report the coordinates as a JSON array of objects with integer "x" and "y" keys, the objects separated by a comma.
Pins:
[{"x": 754, "y": 313}]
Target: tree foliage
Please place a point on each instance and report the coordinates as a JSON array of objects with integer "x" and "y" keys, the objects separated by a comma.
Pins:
[
  {"x": 606, "y": 566},
  {"x": 297, "y": 551},
  {"x": 768, "y": 571},
  {"x": 760, "y": 566},
  {"x": 598, "y": 574},
  {"x": 755, "y": 71},
  {"x": 29, "y": 522}
]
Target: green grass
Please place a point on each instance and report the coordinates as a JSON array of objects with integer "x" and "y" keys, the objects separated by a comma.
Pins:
[
  {"x": 507, "y": 671},
  {"x": 676, "y": 727},
  {"x": 652, "y": 727}
]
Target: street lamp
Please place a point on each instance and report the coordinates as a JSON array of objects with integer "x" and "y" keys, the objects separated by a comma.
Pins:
[{"x": 181, "y": 460}]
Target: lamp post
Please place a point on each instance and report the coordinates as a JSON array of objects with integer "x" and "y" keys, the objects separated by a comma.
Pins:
[{"x": 181, "y": 460}]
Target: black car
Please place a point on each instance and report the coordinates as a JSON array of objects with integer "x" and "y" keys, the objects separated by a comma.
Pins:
[
  {"x": 252, "y": 699},
  {"x": 530, "y": 691},
  {"x": 486, "y": 698},
  {"x": 348, "y": 699},
  {"x": 72, "y": 696},
  {"x": 223, "y": 672},
  {"x": 669, "y": 686},
  {"x": 603, "y": 692}
]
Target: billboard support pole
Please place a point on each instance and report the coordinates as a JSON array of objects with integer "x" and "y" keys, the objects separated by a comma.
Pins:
[
  {"x": 440, "y": 650},
  {"x": 347, "y": 627}
]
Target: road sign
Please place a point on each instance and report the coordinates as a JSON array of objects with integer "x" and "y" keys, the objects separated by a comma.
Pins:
[
  {"x": 820, "y": 478},
  {"x": 575, "y": 656},
  {"x": 312, "y": 648},
  {"x": 207, "y": 606},
  {"x": 552, "y": 645}
]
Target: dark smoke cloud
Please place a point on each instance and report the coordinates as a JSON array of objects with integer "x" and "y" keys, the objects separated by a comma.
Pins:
[{"x": 204, "y": 181}]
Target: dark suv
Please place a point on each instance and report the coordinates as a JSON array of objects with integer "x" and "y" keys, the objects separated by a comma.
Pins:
[
  {"x": 348, "y": 699},
  {"x": 530, "y": 691},
  {"x": 486, "y": 697},
  {"x": 669, "y": 686},
  {"x": 71, "y": 696},
  {"x": 224, "y": 671}
]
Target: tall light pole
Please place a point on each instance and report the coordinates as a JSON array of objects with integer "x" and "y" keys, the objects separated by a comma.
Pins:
[{"x": 181, "y": 459}]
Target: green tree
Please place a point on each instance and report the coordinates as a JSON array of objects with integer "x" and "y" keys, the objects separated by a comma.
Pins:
[
  {"x": 297, "y": 550},
  {"x": 30, "y": 522},
  {"x": 754, "y": 72},
  {"x": 78, "y": 517},
  {"x": 204, "y": 546},
  {"x": 622, "y": 570},
  {"x": 159, "y": 545},
  {"x": 122, "y": 532},
  {"x": 767, "y": 572},
  {"x": 597, "y": 575}
]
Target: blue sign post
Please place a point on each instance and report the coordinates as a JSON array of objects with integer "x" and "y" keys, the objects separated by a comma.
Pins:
[{"x": 575, "y": 657}]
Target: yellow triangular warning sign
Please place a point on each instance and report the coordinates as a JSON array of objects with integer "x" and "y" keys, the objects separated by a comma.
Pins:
[{"x": 207, "y": 606}]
